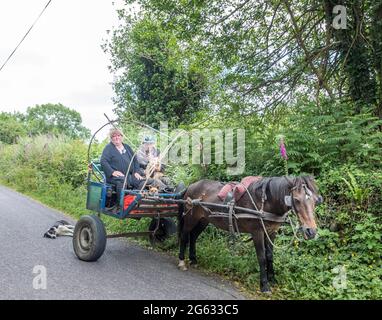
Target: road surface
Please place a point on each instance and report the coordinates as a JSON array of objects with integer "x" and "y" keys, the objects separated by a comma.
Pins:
[{"x": 33, "y": 267}]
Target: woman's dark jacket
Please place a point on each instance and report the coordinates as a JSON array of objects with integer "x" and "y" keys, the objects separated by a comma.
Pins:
[{"x": 112, "y": 160}]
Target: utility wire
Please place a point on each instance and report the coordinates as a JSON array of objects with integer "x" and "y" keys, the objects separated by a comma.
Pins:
[{"x": 25, "y": 35}]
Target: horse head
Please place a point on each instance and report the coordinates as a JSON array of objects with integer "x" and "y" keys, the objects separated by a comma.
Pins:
[{"x": 303, "y": 199}]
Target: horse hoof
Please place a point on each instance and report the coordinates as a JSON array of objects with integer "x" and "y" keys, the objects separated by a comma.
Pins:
[
  {"x": 193, "y": 264},
  {"x": 182, "y": 266},
  {"x": 273, "y": 282},
  {"x": 266, "y": 290}
]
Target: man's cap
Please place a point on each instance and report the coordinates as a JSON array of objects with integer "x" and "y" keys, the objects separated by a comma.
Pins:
[{"x": 148, "y": 139}]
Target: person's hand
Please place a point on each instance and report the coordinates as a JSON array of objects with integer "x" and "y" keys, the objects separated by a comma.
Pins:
[
  {"x": 157, "y": 164},
  {"x": 117, "y": 174},
  {"x": 138, "y": 176}
]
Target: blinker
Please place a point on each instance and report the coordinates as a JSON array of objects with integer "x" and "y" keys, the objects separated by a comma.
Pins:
[{"x": 288, "y": 201}]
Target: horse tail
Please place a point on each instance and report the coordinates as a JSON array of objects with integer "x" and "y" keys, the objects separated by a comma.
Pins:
[{"x": 181, "y": 190}]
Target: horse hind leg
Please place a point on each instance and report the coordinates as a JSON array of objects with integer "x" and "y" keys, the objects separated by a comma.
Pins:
[
  {"x": 182, "y": 265},
  {"x": 194, "y": 234},
  {"x": 184, "y": 239}
]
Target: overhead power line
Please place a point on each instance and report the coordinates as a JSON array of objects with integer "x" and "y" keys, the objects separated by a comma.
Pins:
[{"x": 46, "y": 6}]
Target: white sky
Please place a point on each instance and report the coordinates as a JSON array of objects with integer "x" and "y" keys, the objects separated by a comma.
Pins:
[{"x": 61, "y": 60}]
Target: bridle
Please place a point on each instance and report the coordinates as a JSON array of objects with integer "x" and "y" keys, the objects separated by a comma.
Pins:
[{"x": 289, "y": 200}]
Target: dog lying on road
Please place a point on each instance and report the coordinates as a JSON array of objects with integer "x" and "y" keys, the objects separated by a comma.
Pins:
[{"x": 60, "y": 228}]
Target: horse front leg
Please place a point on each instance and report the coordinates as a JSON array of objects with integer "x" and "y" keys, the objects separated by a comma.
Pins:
[{"x": 258, "y": 239}]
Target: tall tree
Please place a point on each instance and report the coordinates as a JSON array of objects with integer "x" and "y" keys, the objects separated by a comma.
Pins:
[
  {"x": 272, "y": 51},
  {"x": 156, "y": 79},
  {"x": 355, "y": 54},
  {"x": 376, "y": 40},
  {"x": 56, "y": 119}
]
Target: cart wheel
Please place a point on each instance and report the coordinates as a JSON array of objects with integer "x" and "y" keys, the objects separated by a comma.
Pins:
[
  {"x": 166, "y": 228},
  {"x": 89, "y": 238}
]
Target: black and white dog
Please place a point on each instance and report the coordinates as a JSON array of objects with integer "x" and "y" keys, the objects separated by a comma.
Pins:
[{"x": 60, "y": 228}]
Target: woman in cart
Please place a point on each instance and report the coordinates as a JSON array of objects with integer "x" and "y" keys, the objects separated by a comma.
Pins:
[{"x": 115, "y": 161}]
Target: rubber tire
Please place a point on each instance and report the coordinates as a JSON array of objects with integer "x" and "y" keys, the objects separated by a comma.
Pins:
[
  {"x": 89, "y": 238},
  {"x": 166, "y": 228}
]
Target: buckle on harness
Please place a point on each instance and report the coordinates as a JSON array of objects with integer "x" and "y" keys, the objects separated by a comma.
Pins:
[{"x": 228, "y": 198}]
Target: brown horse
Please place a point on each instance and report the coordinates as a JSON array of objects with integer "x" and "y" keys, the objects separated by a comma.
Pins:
[{"x": 280, "y": 194}]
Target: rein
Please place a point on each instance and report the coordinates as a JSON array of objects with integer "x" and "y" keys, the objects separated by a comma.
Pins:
[
  {"x": 263, "y": 196},
  {"x": 233, "y": 217},
  {"x": 284, "y": 216}
]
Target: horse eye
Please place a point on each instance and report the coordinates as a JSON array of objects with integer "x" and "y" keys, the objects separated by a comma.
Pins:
[{"x": 296, "y": 200}]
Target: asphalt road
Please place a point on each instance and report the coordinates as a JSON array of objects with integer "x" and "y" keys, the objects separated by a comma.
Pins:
[{"x": 125, "y": 271}]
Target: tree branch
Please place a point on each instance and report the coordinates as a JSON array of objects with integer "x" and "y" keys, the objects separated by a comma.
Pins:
[{"x": 301, "y": 43}]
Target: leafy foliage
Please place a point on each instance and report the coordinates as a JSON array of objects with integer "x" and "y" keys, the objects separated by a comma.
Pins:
[
  {"x": 157, "y": 79},
  {"x": 11, "y": 128},
  {"x": 43, "y": 162},
  {"x": 55, "y": 119},
  {"x": 268, "y": 52}
]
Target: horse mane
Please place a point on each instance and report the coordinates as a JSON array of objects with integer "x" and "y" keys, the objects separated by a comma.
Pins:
[
  {"x": 282, "y": 185},
  {"x": 308, "y": 181}
]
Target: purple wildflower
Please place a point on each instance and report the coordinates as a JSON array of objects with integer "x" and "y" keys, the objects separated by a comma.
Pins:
[{"x": 283, "y": 151}]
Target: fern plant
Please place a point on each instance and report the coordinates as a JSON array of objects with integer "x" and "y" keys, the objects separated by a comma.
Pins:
[{"x": 358, "y": 194}]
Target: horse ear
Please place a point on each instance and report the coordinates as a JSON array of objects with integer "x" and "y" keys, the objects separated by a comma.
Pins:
[
  {"x": 290, "y": 181},
  {"x": 319, "y": 200}
]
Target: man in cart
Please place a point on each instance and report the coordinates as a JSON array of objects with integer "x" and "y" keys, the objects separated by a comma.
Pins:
[
  {"x": 149, "y": 160},
  {"x": 147, "y": 152}
]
